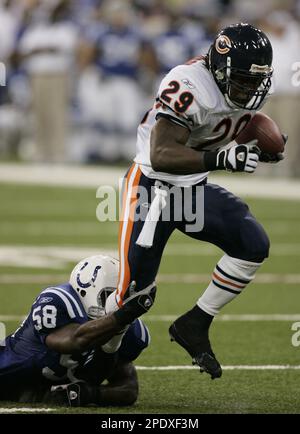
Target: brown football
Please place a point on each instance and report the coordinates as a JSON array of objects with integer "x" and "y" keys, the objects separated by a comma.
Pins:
[{"x": 266, "y": 131}]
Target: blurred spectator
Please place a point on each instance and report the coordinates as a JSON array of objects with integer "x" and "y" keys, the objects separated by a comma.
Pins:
[
  {"x": 251, "y": 10},
  {"x": 10, "y": 121},
  {"x": 204, "y": 8},
  {"x": 297, "y": 9},
  {"x": 9, "y": 21},
  {"x": 284, "y": 34},
  {"x": 178, "y": 43},
  {"x": 109, "y": 94},
  {"x": 47, "y": 50}
]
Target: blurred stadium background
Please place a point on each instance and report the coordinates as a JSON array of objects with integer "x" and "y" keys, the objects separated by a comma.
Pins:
[{"x": 79, "y": 75}]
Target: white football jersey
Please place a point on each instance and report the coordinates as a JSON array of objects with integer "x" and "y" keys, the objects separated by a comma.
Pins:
[{"x": 188, "y": 95}]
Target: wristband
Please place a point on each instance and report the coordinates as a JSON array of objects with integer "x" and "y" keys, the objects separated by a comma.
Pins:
[{"x": 210, "y": 160}]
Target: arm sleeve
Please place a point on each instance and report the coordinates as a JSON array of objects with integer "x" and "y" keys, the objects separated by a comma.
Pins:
[{"x": 135, "y": 340}]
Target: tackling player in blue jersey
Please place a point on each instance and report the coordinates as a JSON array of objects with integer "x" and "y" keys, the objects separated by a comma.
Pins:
[{"x": 61, "y": 353}]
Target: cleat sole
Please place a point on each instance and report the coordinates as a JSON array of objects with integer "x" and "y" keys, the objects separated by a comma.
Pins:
[{"x": 206, "y": 362}]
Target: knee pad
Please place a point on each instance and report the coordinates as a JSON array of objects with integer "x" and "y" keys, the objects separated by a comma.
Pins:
[{"x": 255, "y": 242}]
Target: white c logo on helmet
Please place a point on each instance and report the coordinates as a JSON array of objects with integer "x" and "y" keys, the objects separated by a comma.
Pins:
[{"x": 223, "y": 44}]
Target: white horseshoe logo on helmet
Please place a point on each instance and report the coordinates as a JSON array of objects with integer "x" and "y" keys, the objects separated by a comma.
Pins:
[{"x": 88, "y": 284}]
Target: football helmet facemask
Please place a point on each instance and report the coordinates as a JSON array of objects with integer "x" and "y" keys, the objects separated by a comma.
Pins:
[
  {"x": 240, "y": 60},
  {"x": 94, "y": 279}
]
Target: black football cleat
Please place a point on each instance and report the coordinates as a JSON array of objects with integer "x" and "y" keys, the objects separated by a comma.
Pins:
[
  {"x": 71, "y": 395},
  {"x": 208, "y": 363},
  {"x": 196, "y": 344}
]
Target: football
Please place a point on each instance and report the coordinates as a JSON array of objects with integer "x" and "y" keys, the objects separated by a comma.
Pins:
[{"x": 266, "y": 131}]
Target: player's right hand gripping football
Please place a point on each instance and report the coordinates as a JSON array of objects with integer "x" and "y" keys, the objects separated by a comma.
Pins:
[
  {"x": 239, "y": 158},
  {"x": 135, "y": 303}
]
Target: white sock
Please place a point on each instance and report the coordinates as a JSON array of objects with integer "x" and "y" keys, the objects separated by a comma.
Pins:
[
  {"x": 114, "y": 343},
  {"x": 230, "y": 277}
]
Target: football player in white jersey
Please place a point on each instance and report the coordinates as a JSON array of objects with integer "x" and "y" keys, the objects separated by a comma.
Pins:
[{"x": 200, "y": 109}]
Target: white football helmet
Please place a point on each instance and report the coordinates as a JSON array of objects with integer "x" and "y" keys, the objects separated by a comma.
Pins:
[{"x": 94, "y": 279}]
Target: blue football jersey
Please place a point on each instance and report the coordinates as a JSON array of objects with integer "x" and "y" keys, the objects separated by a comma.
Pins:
[
  {"x": 26, "y": 354},
  {"x": 118, "y": 50},
  {"x": 177, "y": 46},
  {"x": 136, "y": 339},
  {"x": 25, "y": 358}
]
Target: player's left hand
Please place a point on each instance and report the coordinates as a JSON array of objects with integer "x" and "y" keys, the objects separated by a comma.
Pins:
[
  {"x": 140, "y": 301},
  {"x": 135, "y": 303},
  {"x": 239, "y": 158},
  {"x": 273, "y": 158}
]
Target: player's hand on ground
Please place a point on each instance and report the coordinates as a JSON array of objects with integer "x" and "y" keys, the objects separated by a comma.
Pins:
[
  {"x": 239, "y": 158},
  {"x": 273, "y": 158},
  {"x": 135, "y": 303}
]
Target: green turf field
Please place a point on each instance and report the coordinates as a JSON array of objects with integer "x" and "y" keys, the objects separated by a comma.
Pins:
[{"x": 62, "y": 218}]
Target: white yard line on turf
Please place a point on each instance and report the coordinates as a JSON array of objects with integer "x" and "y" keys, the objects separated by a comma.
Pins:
[
  {"x": 12, "y": 318},
  {"x": 93, "y": 177},
  {"x": 52, "y": 227},
  {"x": 25, "y": 410},
  {"x": 232, "y": 317},
  {"x": 11, "y": 279},
  {"x": 56, "y": 257},
  {"x": 225, "y": 368},
  {"x": 188, "y": 278},
  {"x": 36, "y": 228},
  {"x": 168, "y": 318},
  {"x": 262, "y": 278},
  {"x": 169, "y": 368}
]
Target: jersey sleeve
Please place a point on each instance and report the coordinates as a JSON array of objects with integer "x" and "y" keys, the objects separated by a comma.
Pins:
[
  {"x": 179, "y": 99},
  {"x": 136, "y": 339},
  {"x": 53, "y": 309}
]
